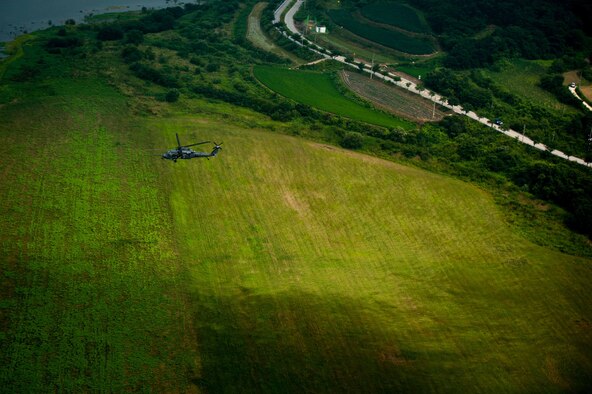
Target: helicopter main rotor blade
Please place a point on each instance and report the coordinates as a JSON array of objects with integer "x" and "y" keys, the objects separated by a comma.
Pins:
[
  {"x": 178, "y": 141},
  {"x": 199, "y": 143}
]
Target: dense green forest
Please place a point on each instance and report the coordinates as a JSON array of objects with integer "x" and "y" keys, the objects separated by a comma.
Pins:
[{"x": 480, "y": 32}]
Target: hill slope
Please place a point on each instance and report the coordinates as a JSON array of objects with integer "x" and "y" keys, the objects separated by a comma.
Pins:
[
  {"x": 313, "y": 268},
  {"x": 281, "y": 265}
]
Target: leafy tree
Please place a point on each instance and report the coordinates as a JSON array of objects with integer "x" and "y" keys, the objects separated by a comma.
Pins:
[
  {"x": 172, "y": 96},
  {"x": 134, "y": 37},
  {"x": 110, "y": 33},
  {"x": 131, "y": 54},
  {"x": 352, "y": 140}
]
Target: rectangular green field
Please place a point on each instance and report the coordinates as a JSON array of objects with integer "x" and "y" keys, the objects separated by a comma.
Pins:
[{"x": 318, "y": 90}]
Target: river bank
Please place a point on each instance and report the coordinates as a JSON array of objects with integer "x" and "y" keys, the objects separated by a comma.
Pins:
[{"x": 24, "y": 16}]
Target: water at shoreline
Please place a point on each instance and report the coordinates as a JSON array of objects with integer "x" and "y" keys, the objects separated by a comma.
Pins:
[{"x": 24, "y": 16}]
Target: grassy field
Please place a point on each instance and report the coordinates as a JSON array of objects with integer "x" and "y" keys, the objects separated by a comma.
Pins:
[
  {"x": 349, "y": 44},
  {"x": 398, "y": 15},
  {"x": 280, "y": 266},
  {"x": 90, "y": 300},
  {"x": 416, "y": 70},
  {"x": 314, "y": 269},
  {"x": 394, "y": 39},
  {"x": 393, "y": 99},
  {"x": 319, "y": 91}
]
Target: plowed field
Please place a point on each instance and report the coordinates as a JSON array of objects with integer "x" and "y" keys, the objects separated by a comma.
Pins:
[{"x": 392, "y": 99}]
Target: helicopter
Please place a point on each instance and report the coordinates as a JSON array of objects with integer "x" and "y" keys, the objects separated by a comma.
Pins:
[{"x": 184, "y": 152}]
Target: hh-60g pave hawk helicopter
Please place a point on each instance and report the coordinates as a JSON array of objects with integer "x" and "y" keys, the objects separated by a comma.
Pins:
[{"x": 184, "y": 152}]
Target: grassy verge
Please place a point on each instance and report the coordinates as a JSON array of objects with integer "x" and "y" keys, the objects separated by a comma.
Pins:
[{"x": 260, "y": 39}]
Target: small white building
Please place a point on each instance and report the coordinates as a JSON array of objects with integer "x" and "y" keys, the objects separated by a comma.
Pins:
[{"x": 321, "y": 29}]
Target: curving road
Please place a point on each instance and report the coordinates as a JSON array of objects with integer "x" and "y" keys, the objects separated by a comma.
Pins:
[
  {"x": 277, "y": 14},
  {"x": 576, "y": 95},
  {"x": 412, "y": 87},
  {"x": 289, "y": 18}
]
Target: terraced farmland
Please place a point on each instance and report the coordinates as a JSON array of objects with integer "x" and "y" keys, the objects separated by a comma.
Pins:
[
  {"x": 398, "y": 15},
  {"x": 393, "y": 99},
  {"x": 411, "y": 44},
  {"x": 318, "y": 90}
]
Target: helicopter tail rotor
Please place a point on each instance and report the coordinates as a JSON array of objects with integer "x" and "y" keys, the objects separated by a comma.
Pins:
[{"x": 217, "y": 147}]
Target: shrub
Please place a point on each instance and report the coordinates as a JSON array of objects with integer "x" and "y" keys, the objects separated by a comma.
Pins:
[
  {"x": 67, "y": 42},
  {"x": 131, "y": 54},
  {"x": 153, "y": 75},
  {"x": 352, "y": 140},
  {"x": 172, "y": 96},
  {"x": 134, "y": 37},
  {"x": 110, "y": 33}
]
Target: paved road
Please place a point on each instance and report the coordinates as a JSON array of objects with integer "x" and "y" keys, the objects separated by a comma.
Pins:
[
  {"x": 289, "y": 18},
  {"x": 277, "y": 14},
  {"x": 412, "y": 87},
  {"x": 573, "y": 91}
]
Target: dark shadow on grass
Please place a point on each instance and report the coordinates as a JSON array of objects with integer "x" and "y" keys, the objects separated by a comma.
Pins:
[{"x": 296, "y": 343}]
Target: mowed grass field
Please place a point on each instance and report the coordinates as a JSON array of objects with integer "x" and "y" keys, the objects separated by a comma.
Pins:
[
  {"x": 318, "y": 90},
  {"x": 314, "y": 269},
  {"x": 279, "y": 266}
]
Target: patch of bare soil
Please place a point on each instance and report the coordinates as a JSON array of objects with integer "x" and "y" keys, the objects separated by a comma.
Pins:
[
  {"x": 297, "y": 205},
  {"x": 587, "y": 91}
]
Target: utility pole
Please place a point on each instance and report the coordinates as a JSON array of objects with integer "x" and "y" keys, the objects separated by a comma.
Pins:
[
  {"x": 372, "y": 67},
  {"x": 434, "y": 111}
]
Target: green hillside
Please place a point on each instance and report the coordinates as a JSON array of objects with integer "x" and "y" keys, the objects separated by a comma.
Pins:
[
  {"x": 281, "y": 265},
  {"x": 395, "y": 14},
  {"x": 284, "y": 265},
  {"x": 395, "y": 39}
]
